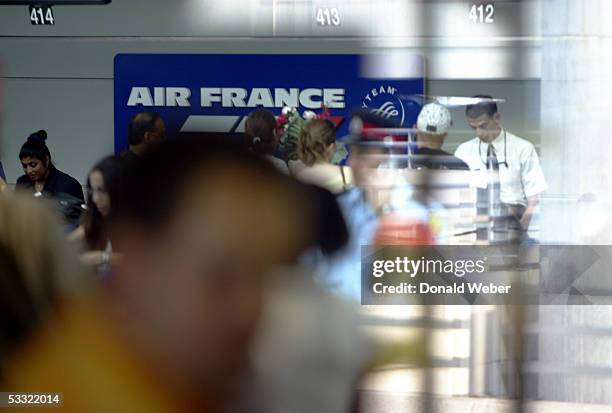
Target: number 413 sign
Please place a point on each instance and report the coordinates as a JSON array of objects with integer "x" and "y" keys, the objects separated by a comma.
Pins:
[{"x": 41, "y": 15}]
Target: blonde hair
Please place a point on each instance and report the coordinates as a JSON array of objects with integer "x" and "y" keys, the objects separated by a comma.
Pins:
[
  {"x": 315, "y": 139},
  {"x": 37, "y": 267}
]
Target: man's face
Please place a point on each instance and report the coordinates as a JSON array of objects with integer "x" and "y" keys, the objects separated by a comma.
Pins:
[
  {"x": 200, "y": 282},
  {"x": 364, "y": 161},
  {"x": 372, "y": 172},
  {"x": 487, "y": 127}
]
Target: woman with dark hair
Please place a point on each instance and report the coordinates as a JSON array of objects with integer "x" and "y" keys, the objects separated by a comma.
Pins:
[
  {"x": 261, "y": 137},
  {"x": 103, "y": 181},
  {"x": 41, "y": 177}
]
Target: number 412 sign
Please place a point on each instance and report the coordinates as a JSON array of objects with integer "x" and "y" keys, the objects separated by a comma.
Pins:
[
  {"x": 41, "y": 15},
  {"x": 484, "y": 13}
]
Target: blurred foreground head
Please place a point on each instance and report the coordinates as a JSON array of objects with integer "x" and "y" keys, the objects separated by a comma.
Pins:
[
  {"x": 37, "y": 269},
  {"x": 201, "y": 222}
]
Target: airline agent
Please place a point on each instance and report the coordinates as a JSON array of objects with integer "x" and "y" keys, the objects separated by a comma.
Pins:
[{"x": 520, "y": 173}]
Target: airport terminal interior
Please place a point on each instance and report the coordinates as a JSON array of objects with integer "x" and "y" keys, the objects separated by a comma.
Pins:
[{"x": 297, "y": 206}]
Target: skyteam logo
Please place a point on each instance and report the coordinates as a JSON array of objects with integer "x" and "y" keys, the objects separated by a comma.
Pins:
[{"x": 383, "y": 101}]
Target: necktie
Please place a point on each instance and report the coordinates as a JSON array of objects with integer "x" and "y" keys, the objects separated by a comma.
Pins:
[
  {"x": 492, "y": 163},
  {"x": 489, "y": 202}
]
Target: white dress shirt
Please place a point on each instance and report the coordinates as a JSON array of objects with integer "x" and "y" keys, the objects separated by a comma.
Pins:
[{"x": 520, "y": 172}]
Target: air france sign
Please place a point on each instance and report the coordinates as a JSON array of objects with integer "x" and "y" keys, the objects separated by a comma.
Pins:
[
  {"x": 231, "y": 97},
  {"x": 214, "y": 93}
]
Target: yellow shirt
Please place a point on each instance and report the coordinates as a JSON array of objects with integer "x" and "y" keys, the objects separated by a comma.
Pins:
[{"x": 81, "y": 355}]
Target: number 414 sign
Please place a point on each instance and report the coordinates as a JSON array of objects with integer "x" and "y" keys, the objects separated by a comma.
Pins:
[{"x": 40, "y": 15}]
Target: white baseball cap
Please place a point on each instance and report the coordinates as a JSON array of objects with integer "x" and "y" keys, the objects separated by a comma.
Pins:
[{"x": 435, "y": 119}]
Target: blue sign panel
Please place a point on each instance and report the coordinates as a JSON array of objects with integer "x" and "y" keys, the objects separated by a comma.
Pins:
[{"x": 214, "y": 93}]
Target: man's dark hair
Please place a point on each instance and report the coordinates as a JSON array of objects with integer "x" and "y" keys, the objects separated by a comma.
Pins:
[
  {"x": 488, "y": 108},
  {"x": 141, "y": 123},
  {"x": 152, "y": 185}
]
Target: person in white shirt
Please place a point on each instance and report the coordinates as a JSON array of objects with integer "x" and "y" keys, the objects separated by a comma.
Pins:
[{"x": 520, "y": 174}]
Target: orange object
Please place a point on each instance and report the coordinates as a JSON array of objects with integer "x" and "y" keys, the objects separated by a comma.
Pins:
[{"x": 395, "y": 229}]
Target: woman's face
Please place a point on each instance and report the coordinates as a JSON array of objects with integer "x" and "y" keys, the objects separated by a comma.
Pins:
[
  {"x": 34, "y": 168},
  {"x": 99, "y": 196}
]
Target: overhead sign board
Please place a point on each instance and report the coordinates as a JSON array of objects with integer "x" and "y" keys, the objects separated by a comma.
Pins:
[{"x": 214, "y": 93}]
